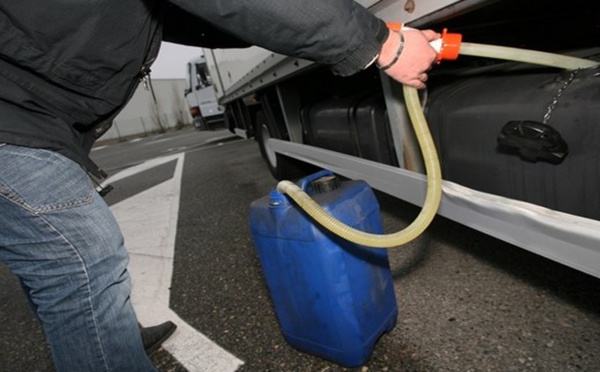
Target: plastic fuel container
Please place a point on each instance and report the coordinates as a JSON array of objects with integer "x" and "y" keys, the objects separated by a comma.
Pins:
[{"x": 333, "y": 298}]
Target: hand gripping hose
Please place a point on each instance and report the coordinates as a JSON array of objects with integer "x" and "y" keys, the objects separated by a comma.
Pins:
[{"x": 432, "y": 165}]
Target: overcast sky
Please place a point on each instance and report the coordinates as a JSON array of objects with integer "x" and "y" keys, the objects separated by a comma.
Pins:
[{"x": 172, "y": 60}]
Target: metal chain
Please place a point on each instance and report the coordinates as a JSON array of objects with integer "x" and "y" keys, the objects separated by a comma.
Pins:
[{"x": 560, "y": 92}]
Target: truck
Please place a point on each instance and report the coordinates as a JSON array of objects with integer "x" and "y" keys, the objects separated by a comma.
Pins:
[
  {"x": 517, "y": 142},
  {"x": 201, "y": 97}
]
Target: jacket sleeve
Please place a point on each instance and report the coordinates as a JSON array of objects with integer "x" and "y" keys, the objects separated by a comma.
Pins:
[
  {"x": 339, "y": 33},
  {"x": 181, "y": 27}
]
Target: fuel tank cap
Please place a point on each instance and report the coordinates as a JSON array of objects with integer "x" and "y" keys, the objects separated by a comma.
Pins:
[{"x": 325, "y": 184}]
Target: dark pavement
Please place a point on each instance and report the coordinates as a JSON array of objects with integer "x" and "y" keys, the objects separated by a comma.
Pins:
[{"x": 467, "y": 302}]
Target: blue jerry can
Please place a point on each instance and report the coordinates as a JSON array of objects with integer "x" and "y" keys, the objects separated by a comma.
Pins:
[{"x": 332, "y": 298}]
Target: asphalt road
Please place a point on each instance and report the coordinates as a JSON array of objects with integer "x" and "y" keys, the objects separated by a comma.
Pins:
[{"x": 467, "y": 302}]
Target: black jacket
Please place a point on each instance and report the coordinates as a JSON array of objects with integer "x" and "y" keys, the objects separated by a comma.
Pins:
[{"x": 67, "y": 68}]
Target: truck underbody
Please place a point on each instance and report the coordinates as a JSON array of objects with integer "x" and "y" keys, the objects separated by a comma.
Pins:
[{"x": 357, "y": 126}]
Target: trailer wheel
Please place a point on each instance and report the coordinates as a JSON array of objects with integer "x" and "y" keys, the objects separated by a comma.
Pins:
[{"x": 280, "y": 166}]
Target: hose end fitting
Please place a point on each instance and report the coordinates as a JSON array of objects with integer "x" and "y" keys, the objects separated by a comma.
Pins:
[
  {"x": 450, "y": 46},
  {"x": 447, "y": 46}
]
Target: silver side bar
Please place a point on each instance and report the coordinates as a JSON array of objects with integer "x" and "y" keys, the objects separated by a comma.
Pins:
[{"x": 570, "y": 240}]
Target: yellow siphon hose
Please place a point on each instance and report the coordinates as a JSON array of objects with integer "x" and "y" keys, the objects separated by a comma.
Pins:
[
  {"x": 432, "y": 165},
  {"x": 526, "y": 56}
]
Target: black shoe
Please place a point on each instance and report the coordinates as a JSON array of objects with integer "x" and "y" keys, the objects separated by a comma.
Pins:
[{"x": 153, "y": 337}]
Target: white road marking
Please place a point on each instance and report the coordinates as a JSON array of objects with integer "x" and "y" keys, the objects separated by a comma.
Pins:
[{"x": 149, "y": 222}]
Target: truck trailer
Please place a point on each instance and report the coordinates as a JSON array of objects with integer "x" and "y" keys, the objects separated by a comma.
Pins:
[{"x": 519, "y": 143}]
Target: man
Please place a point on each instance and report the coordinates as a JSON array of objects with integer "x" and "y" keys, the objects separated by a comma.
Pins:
[{"x": 66, "y": 70}]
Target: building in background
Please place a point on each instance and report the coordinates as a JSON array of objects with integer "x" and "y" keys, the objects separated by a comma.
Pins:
[{"x": 155, "y": 109}]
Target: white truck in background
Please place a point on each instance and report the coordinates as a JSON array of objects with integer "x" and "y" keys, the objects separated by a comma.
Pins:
[
  {"x": 531, "y": 195},
  {"x": 201, "y": 97}
]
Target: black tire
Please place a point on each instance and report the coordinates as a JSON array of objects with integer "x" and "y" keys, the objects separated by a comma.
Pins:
[
  {"x": 229, "y": 119},
  {"x": 280, "y": 166}
]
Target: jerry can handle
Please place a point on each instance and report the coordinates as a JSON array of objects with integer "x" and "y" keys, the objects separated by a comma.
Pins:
[{"x": 306, "y": 181}]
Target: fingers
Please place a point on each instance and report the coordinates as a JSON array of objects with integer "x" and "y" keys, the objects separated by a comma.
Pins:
[
  {"x": 431, "y": 35},
  {"x": 417, "y": 84},
  {"x": 420, "y": 86}
]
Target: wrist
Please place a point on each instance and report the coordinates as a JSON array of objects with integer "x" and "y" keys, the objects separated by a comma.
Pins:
[{"x": 391, "y": 50}]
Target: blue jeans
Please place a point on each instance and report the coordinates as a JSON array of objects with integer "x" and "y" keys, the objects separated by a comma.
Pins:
[{"x": 60, "y": 238}]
